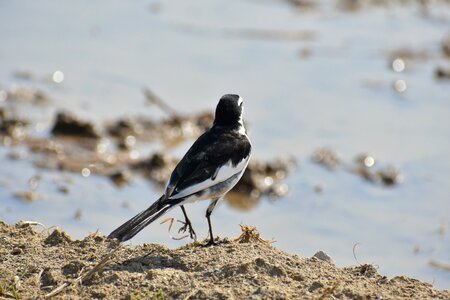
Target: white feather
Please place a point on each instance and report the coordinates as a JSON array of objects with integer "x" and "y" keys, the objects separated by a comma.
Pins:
[
  {"x": 224, "y": 173},
  {"x": 241, "y": 129}
]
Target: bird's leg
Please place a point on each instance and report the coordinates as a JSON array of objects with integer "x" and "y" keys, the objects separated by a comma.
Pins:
[
  {"x": 187, "y": 225},
  {"x": 208, "y": 216}
]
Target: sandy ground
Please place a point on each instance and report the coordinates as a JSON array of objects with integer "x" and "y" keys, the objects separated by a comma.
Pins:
[{"x": 34, "y": 262}]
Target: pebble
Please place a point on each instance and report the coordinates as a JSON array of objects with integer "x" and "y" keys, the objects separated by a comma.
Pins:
[{"x": 323, "y": 256}]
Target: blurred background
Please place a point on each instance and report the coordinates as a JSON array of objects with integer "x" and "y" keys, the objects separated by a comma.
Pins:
[{"x": 347, "y": 104}]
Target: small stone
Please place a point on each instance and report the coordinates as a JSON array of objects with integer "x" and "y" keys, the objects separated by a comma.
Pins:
[
  {"x": 16, "y": 251},
  {"x": 48, "y": 278},
  {"x": 315, "y": 285},
  {"x": 323, "y": 256},
  {"x": 57, "y": 237}
]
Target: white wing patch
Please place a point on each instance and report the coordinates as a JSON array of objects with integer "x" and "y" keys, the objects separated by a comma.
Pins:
[{"x": 225, "y": 172}]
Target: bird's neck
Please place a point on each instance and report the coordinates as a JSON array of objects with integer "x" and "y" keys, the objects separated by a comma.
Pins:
[
  {"x": 241, "y": 128},
  {"x": 237, "y": 126}
]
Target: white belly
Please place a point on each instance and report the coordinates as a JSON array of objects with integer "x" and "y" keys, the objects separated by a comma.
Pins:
[{"x": 226, "y": 179}]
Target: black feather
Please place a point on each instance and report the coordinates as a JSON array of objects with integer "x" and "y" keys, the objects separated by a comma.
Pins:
[{"x": 212, "y": 150}]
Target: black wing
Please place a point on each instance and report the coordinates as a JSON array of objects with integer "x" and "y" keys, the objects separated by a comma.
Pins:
[{"x": 209, "y": 152}]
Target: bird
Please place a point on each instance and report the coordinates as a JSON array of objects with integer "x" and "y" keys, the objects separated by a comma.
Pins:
[{"x": 210, "y": 168}]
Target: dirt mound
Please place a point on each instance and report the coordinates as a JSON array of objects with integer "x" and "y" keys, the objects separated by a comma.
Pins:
[{"x": 33, "y": 263}]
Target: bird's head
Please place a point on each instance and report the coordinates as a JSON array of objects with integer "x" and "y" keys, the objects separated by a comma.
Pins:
[{"x": 229, "y": 111}]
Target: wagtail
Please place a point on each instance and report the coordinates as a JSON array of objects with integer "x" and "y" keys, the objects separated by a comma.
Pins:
[{"x": 209, "y": 169}]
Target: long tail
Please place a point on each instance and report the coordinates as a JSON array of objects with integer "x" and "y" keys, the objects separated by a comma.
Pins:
[{"x": 131, "y": 227}]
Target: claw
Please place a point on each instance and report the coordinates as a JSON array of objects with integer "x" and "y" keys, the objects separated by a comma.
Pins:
[
  {"x": 210, "y": 243},
  {"x": 188, "y": 226}
]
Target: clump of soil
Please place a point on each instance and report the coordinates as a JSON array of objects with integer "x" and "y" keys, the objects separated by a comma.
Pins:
[
  {"x": 69, "y": 125},
  {"x": 35, "y": 263},
  {"x": 363, "y": 166},
  {"x": 11, "y": 127},
  {"x": 442, "y": 73}
]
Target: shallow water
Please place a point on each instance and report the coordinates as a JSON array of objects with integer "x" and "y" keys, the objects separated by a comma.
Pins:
[{"x": 339, "y": 93}]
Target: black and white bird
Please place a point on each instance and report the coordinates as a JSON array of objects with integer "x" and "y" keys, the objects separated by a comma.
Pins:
[{"x": 210, "y": 168}]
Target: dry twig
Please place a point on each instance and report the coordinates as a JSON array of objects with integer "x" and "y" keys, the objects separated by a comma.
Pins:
[
  {"x": 329, "y": 291},
  {"x": 439, "y": 265},
  {"x": 171, "y": 220},
  {"x": 88, "y": 275},
  {"x": 250, "y": 235},
  {"x": 158, "y": 101},
  {"x": 354, "y": 252}
]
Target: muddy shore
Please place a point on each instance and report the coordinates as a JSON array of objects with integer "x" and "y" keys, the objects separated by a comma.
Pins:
[{"x": 35, "y": 261}]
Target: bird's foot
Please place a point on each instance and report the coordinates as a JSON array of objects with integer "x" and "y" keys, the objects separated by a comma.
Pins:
[
  {"x": 210, "y": 242},
  {"x": 188, "y": 226}
]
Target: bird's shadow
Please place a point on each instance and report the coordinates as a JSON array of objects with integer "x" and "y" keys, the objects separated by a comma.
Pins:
[
  {"x": 161, "y": 258},
  {"x": 150, "y": 261}
]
